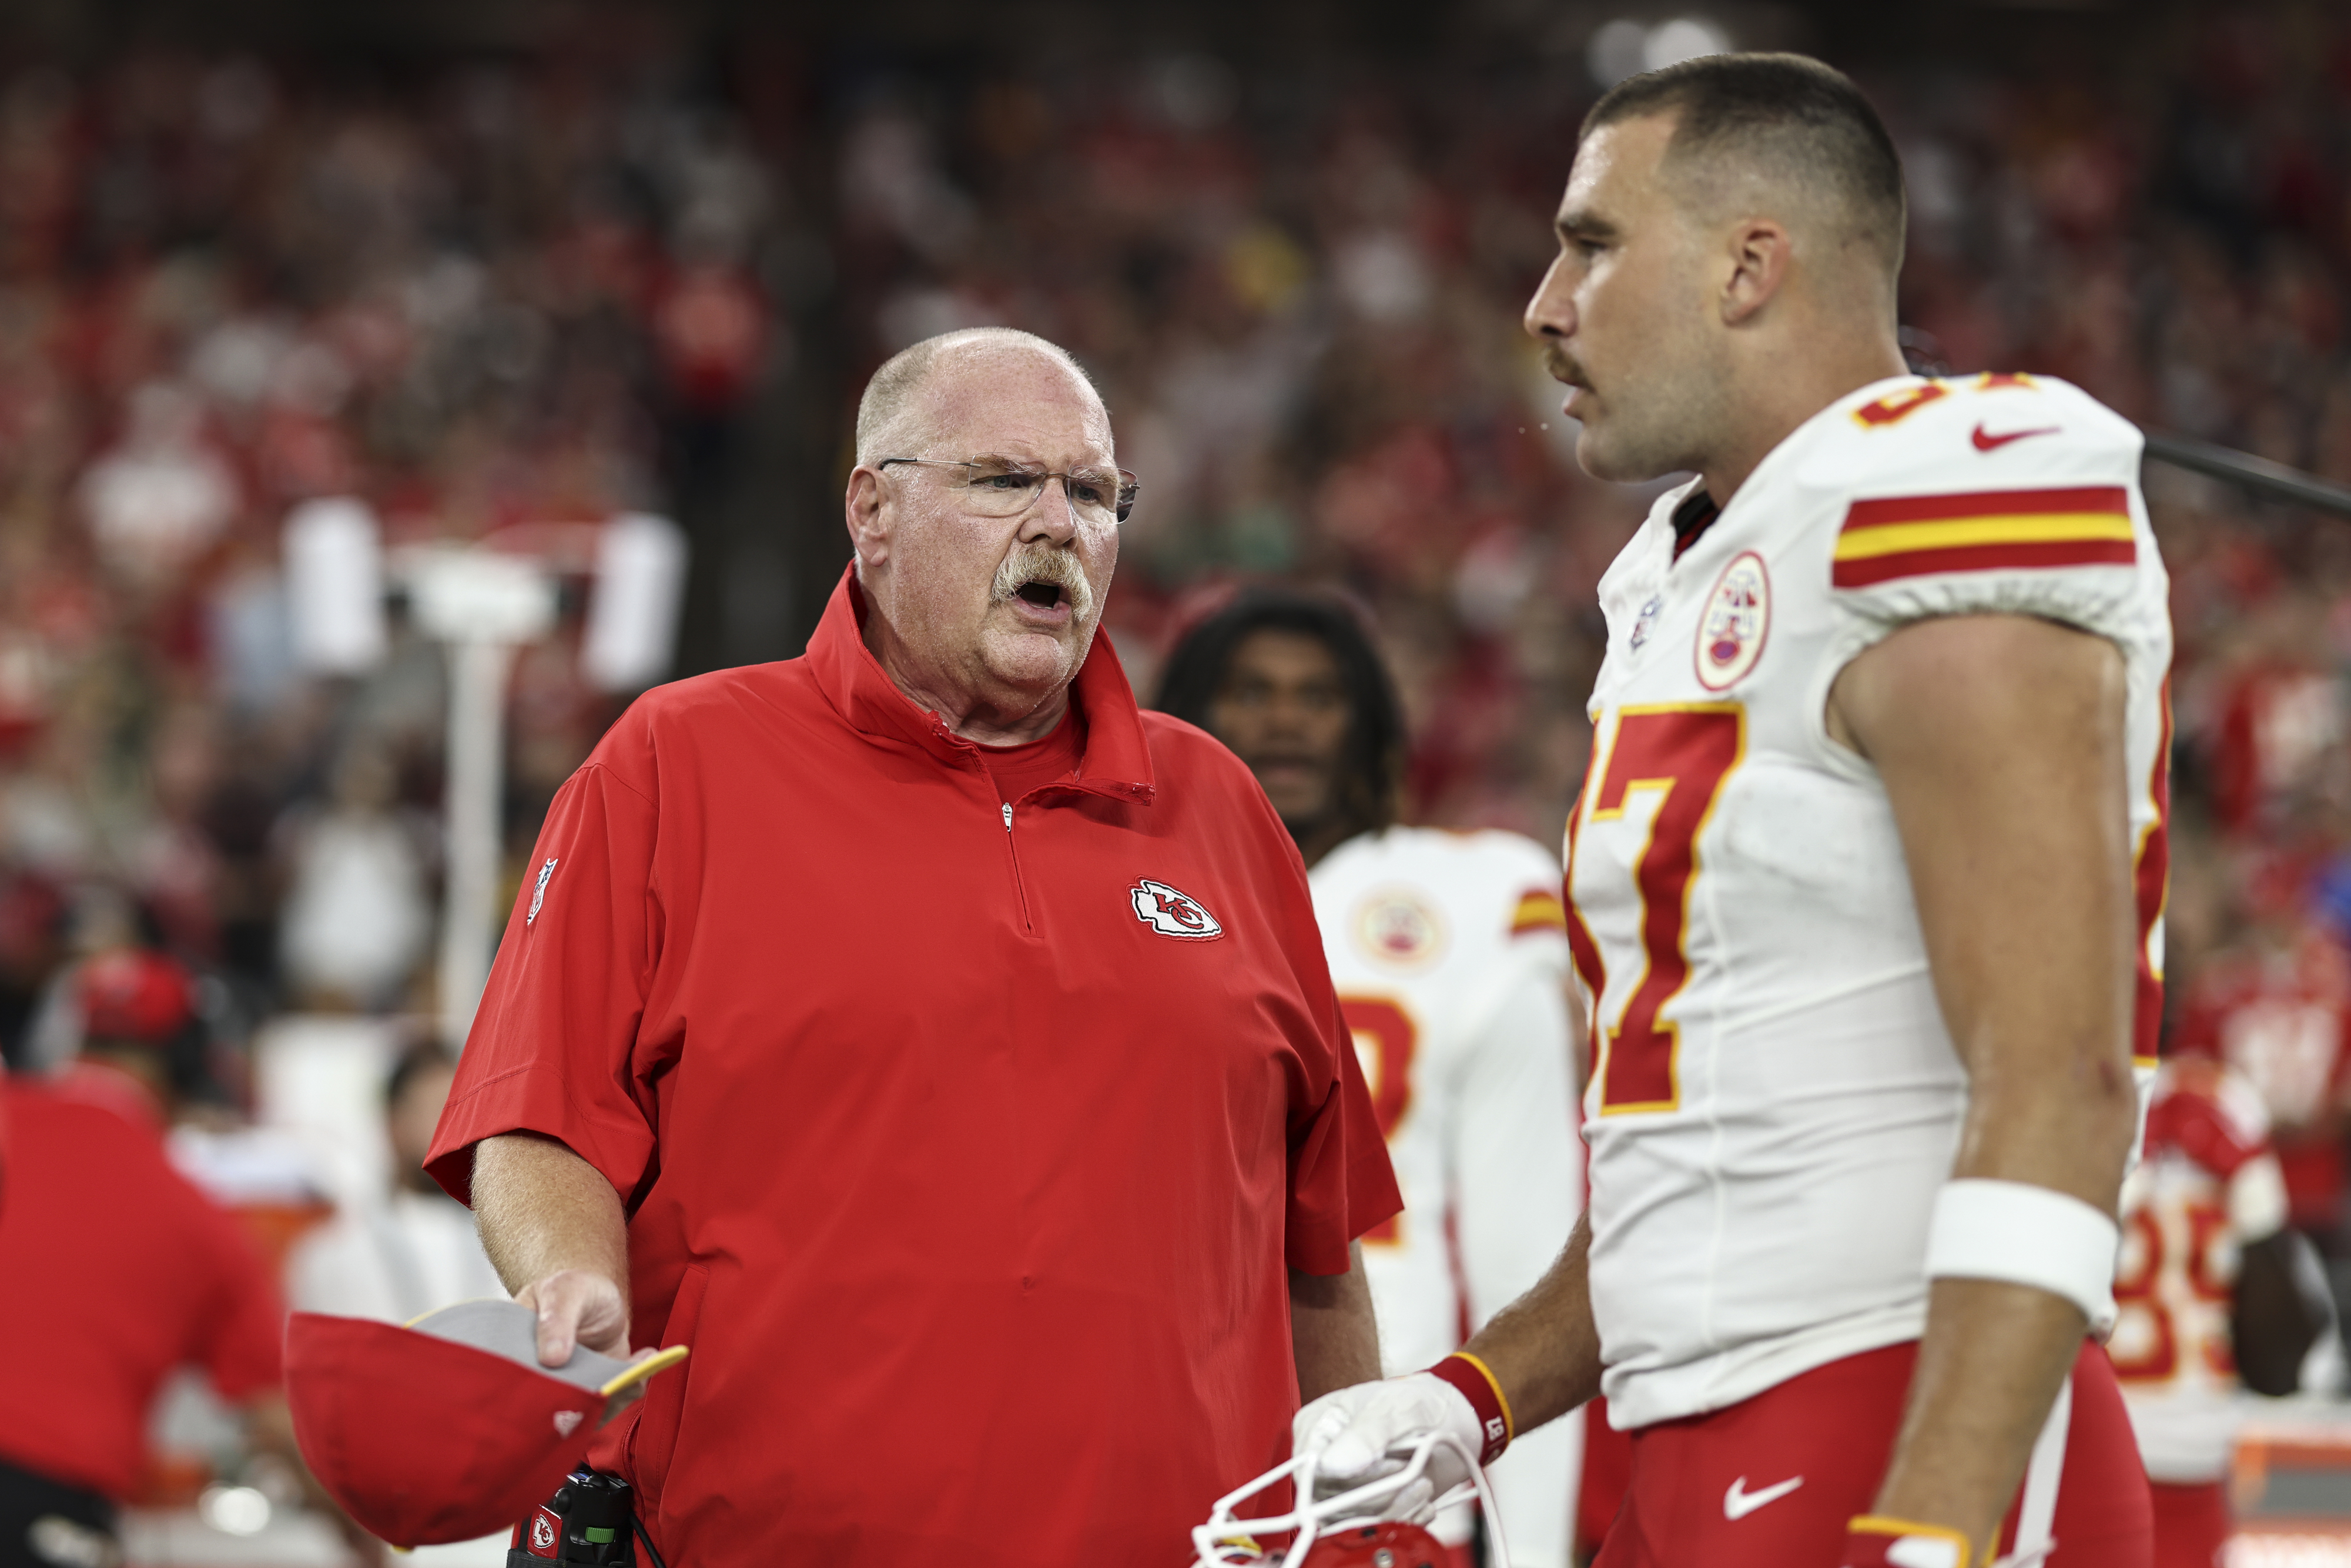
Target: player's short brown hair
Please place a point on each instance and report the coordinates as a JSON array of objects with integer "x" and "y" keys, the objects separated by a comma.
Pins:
[{"x": 1798, "y": 121}]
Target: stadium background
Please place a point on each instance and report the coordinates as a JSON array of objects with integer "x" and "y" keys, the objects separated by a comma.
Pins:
[{"x": 493, "y": 266}]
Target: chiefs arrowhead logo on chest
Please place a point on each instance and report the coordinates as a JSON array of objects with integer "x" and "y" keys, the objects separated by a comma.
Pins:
[
  {"x": 1737, "y": 620},
  {"x": 1172, "y": 912}
]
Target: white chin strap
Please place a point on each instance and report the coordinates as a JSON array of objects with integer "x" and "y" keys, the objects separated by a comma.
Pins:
[{"x": 1225, "y": 1540}]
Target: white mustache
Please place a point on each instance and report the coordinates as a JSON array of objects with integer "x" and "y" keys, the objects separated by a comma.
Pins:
[{"x": 1038, "y": 562}]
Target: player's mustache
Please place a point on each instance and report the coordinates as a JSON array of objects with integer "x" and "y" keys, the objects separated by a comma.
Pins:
[
  {"x": 1038, "y": 562},
  {"x": 1563, "y": 366}
]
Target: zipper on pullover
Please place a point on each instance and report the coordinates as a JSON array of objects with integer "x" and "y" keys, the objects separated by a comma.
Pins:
[
  {"x": 1019, "y": 888},
  {"x": 1011, "y": 851}
]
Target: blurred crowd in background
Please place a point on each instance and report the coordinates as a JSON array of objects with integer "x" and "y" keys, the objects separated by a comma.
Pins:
[
  {"x": 496, "y": 296},
  {"x": 489, "y": 303}
]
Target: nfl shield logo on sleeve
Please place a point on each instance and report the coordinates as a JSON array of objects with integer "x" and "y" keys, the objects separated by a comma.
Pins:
[
  {"x": 1173, "y": 913},
  {"x": 539, "y": 893}
]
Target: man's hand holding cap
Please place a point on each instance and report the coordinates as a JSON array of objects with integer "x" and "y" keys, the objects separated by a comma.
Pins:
[
  {"x": 576, "y": 1307},
  {"x": 449, "y": 1429}
]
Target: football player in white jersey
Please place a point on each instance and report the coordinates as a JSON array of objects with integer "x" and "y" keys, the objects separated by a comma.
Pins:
[
  {"x": 1865, "y": 883},
  {"x": 2215, "y": 1293},
  {"x": 1450, "y": 955}
]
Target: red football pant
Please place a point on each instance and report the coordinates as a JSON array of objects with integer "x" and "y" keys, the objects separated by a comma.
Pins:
[
  {"x": 1771, "y": 1481},
  {"x": 1607, "y": 1470},
  {"x": 2191, "y": 1524}
]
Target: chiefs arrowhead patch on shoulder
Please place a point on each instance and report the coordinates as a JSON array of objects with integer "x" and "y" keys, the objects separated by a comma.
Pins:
[{"x": 1173, "y": 913}]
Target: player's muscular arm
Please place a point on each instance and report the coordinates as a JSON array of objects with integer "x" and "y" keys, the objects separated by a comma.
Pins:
[
  {"x": 1331, "y": 1330},
  {"x": 1543, "y": 1348},
  {"x": 553, "y": 1229},
  {"x": 2001, "y": 742}
]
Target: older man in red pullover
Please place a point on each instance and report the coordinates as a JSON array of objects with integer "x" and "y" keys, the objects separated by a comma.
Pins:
[{"x": 938, "y": 1044}]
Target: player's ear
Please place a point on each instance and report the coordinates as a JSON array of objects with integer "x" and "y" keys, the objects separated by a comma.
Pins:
[{"x": 1759, "y": 254}]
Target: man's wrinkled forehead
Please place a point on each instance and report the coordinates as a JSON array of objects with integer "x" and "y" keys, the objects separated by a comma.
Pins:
[
  {"x": 1017, "y": 400},
  {"x": 1618, "y": 177}
]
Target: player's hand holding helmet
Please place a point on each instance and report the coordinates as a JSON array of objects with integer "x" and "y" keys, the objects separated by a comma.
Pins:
[
  {"x": 1353, "y": 1434},
  {"x": 1366, "y": 1523}
]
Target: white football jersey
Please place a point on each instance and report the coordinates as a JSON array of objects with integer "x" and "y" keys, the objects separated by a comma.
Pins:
[
  {"x": 2187, "y": 1212},
  {"x": 1776, "y": 1099},
  {"x": 1450, "y": 955}
]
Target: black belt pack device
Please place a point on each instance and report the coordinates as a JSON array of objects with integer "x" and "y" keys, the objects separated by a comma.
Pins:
[{"x": 591, "y": 1519}]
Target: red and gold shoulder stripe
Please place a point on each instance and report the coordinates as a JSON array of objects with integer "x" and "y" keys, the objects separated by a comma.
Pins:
[
  {"x": 1538, "y": 910},
  {"x": 1989, "y": 531}
]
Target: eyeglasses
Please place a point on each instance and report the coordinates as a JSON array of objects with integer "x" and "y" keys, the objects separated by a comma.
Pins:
[{"x": 1005, "y": 487}]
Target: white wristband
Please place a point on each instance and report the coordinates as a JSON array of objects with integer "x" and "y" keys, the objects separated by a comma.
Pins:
[{"x": 2026, "y": 1235}]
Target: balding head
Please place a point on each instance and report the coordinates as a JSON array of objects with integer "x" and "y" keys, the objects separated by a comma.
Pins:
[
  {"x": 1778, "y": 133},
  {"x": 899, "y": 413}
]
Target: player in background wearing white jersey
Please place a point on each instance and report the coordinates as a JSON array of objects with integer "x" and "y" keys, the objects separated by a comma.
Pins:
[
  {"x": 1449, "y": 954},
  {"x": 1865, "y": 885},
  {"x": 2215, "y": 1293}
]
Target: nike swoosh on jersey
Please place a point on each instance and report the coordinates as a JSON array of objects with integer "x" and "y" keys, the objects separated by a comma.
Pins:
[
  {"x": 1986, "y": 441},
  {"x": 1738, "y": 1502}
]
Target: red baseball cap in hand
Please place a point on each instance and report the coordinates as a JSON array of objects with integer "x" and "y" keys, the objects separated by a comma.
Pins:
[{"x": 447, "y": 1429}]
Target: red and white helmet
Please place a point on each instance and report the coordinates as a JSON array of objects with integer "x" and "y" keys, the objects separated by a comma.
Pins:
[{"x": 1346, "y": 1530}]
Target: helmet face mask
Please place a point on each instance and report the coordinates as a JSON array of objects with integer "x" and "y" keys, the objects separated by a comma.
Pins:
[{"x": 1347, "y": 1529}]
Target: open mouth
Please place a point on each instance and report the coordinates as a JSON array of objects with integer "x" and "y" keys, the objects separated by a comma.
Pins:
[{"x": 1044, "y": 586}]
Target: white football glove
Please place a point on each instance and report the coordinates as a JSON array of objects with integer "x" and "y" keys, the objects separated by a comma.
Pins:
[{"x": 1350, "y": 1431}]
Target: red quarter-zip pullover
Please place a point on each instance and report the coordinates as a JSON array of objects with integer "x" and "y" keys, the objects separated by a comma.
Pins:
[{"x": 968, "y": 1142}]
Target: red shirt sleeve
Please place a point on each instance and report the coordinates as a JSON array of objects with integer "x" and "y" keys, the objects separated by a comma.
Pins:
[
  {"x": 553, "y": 1044},
  {"x": 1340, "y": 1183}
]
